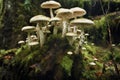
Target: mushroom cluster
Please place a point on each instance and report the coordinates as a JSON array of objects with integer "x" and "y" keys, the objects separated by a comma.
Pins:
[{"x": 63, "y": 21}]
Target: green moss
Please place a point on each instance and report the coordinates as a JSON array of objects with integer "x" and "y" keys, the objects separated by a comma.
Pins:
[{"x": 67, "y": 64}]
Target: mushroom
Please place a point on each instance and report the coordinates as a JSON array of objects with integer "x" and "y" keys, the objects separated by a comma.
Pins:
[
  {"x": 69, "y": 52},
  {"x": 92, "y": 63},
  {"x": 55, "y": 21},
  {"x": 78, "y": 12},
  {"x": 81, "y": 22},
  {"x": 33, "y": 43},
  {"x": 34, "y": 38},
  {"x": 71, "y": 36},
  {"x": 95, "y": 59},
  {"x": 65, "y": 15},
  {"x": 51, "y": 5},
  {"x": 21, "y": 42},
  {"x": 40, "y": 19},
  {"x": 28, "y": 29}
]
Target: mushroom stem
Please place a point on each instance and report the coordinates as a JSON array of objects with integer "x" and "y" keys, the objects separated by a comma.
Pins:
[
  {"x": 55, "y": 30},
  {"x": 29, "y": 40},
  {"x": 51, "y": 13},
  {"x": 40, "y": 34},
  {"x": 70, "y": 39},
  {"x": 64, "y": 28},
  {"x": 77, "y": 49}
]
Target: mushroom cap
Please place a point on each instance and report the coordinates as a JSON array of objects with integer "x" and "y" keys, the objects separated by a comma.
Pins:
[
  {"x": 69, "y": 52},
  {"x": 82, "y": 21},
  {"x": 33, "y": 43},
  {"x": 39, "y": 18},
  {"x": 50, "y": 4},
  {"x": 21, "y": 42},
  {"x": 92, "y": 63},
  {"x": 34, "y": 38},
  {"x": 71, "y": 34},
  {"x": 86, "y": 34},
  {"x": 95, "y": 59},
  {"x": 79, "y": 31},
  {"x": 78, "y": 12},
  {"x": 64, "y": 13},
  {"x": 28, "y": 28},
  {"x": 54, "y": 19}
]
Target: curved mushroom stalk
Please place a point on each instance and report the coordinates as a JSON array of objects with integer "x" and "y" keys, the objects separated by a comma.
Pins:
[
  {"x": 64, "y": 30},
  {"x": 40, "y": 35}
]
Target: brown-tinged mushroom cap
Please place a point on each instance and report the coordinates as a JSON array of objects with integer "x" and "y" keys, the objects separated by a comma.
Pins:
[
  {"x": 50, "y": 4},
  {"x": 78, "y": 12},
  {"x": 39, "y": 18},
  {"x": 64, "y": 13},
  {"x": 28, "y": 28},
  {"x": 82, "y": 21}
]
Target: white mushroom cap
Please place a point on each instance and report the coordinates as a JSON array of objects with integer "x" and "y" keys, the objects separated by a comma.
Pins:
[
  {"x": 92, "y": 63},
  {"x": 50, "y": 4},
  {"x": 78, "y": 30},
  {"x": 78, "y": 12},
  {"x": 28, "y": 28},
  {"x": 69, "y": 52},
  {"x": 71, "y": 34},
  {"x": 34, "y": 38},
  {"x": 82, "y": 21},
  {"x": 86, "y": 34},
  {"x": 64, "y": 13},
  {"x": 54, "y": 19},
  {"x": 95, "y": 59},
  {"x": 39, "y": 18},
  {"x": 33, "y": 43},
  {"x": 21, "y": 42}
]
